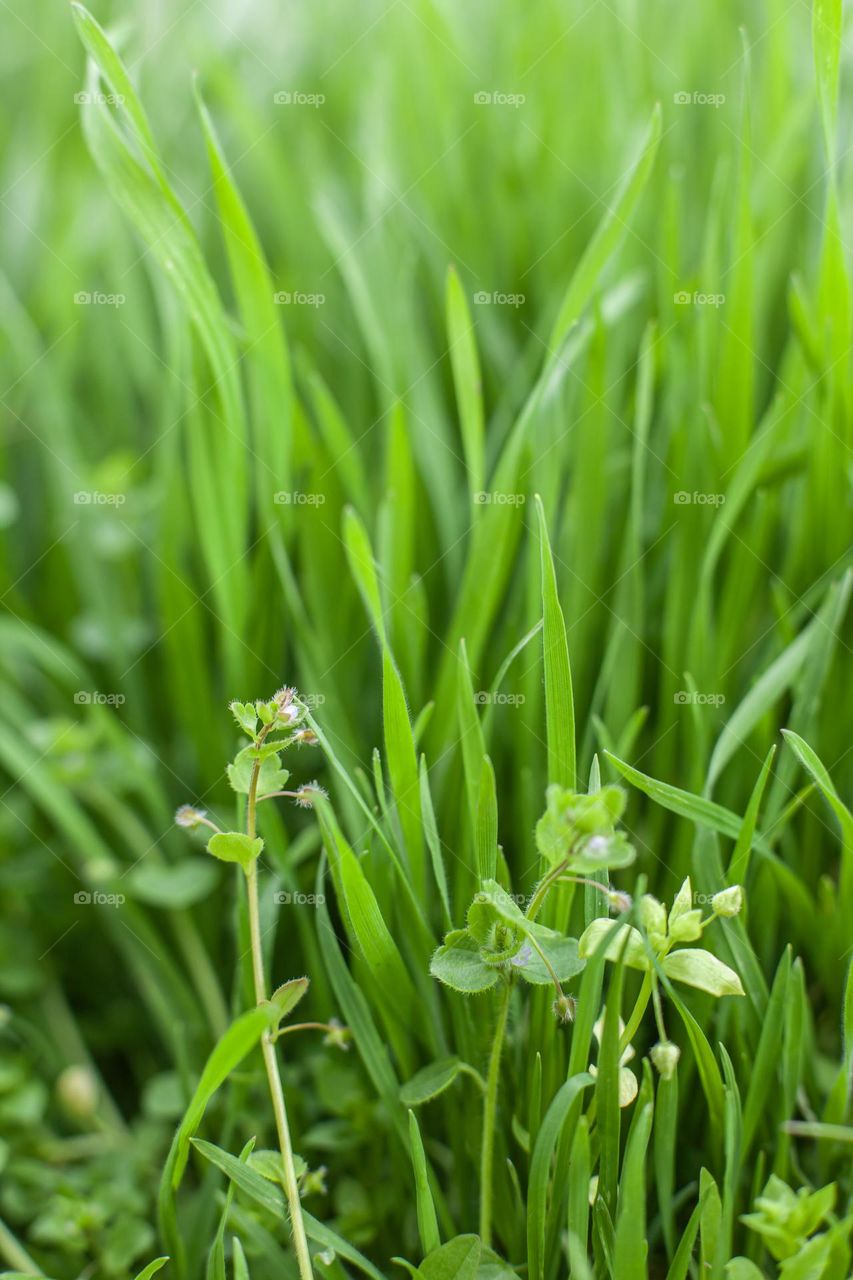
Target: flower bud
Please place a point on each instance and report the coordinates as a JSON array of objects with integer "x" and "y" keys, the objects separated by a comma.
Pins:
[
  {"x": 665, "y": 1057},
  {"x": 619, "y": 901},
  {"x": 338, "y": 1036},
  {"x": 728, "y": 902},
  {"x": 77, "y": 1092},
  {"x": 565, "y": 1008},
  {"x": 190, "y": 817},
  {"x": 307, "y": 795},
  {"x": 288, "y": 711}
]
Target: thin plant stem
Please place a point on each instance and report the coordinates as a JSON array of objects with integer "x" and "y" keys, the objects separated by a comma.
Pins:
[
  {"x": 490, "y": 1118},
  {"x": 291, "y": 1184}
]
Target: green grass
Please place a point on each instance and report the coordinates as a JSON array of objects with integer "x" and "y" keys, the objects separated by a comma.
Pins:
[{"x": 263, "y": 430}]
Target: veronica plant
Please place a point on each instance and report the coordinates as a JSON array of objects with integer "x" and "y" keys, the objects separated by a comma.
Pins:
[{"x": 257, "y": 773}]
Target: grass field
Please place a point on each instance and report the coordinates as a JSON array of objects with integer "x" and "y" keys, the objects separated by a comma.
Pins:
[{"x": 425, "y": 714}]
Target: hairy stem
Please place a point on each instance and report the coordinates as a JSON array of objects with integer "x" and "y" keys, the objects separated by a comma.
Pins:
[
  {"x": 291, "y": 1184},
  {"x": 490, "y": 1106}
]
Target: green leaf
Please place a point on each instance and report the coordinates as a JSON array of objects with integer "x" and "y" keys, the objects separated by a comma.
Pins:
[
  {"x": 559, "y": 702},
  {"x": 427, "y": 1221},
  {"x": 458, "y": 965},
  {"x": 812, "y": 763},
  {"x": 550, "y": 1133},
  {"x": 153, "y": 1267},
  {"x": 698, "y": 968},
  {"x": 286, "y": 997},
  {"x": 764, "y": 1065},
  {"x": 175, "y": 886},
  {"x": 267, "y": 1195},
  {"x": 635, "y": 954},
  {"x": 246, "y": 716},
  {"x": 826, "y": 39},
  {"x": 431, "y": 1081},
  {"x": 466, "y": 380},
  {"x": 456, "y": 1260},
  {"x": 229, "y": 1052},
  {"x": 631, "y": 1245},
  {"x": 562, "y": 954},
  {"x": 271, "y": 777},
  {"x": 235, "y": 846},
  {"x": 433, "y": 841},
  {"x": 368, "y": 930},
  {"x": 486, "y": 831},
  {"x": 403, "y": 768}
]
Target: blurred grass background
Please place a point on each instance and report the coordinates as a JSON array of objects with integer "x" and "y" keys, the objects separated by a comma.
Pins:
[{"x": 150, "y": 574}]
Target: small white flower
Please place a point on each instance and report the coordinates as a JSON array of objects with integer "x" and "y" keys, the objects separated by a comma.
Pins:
[
  {"x": 190, "y": 817},
  {"x": 628, "y": 1085}
]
